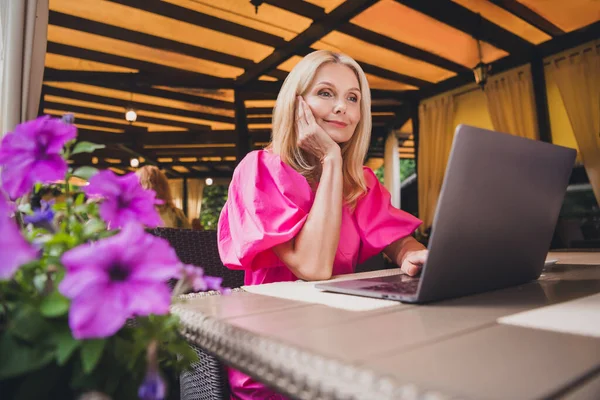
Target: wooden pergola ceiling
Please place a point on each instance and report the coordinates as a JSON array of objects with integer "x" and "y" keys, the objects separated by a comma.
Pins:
[{"x": 203, "y": 75}]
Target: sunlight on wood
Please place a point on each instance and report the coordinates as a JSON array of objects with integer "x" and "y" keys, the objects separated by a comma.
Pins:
[
  {"x": 567, "y": 15},
  {"x": 148, "y": 54},
  {"x": 58, "y": 61},
  {"x": 157, "y": 25},
  {"x": 141, "y": 98},
  {"x": 270, "y": 19},
  {"x": 505, "y": 19},
  {"x": 363, "y": 51},
  {"x": 406, "y": 25}
]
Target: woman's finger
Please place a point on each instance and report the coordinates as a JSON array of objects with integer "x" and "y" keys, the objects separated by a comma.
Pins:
[
  {"x": 308, "y": 115},
  {"x": 417, "y": 257}
]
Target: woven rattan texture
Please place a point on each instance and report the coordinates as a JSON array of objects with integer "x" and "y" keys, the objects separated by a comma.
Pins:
[
  {"x": 207, "y": 379},
  {"x": 200, "y": 248}
]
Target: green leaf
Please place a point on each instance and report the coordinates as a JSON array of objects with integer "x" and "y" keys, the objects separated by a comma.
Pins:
[
  {"x": 85, "y": 172},
  {"x": 27, "y": 323},
  {"x": 54, "y": 305},
  {"x": 80, "y": 199},
  {"x": 91, "y": 352},
  {"x": 66, "y": 344},
  {"x": 92, "y": 227},
  {"x": 19, "y": 358},
  {"x": 25, "y": 208},
  {"x": 86, "y": 147}
]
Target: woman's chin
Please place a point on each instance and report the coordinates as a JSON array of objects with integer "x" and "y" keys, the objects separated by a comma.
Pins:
[{"x": 339, "y": 137}]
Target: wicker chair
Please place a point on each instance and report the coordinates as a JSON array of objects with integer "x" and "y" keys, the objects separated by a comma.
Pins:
[
  {"x": 207, "y": 379},
  {"x": 200, "y": 248}
]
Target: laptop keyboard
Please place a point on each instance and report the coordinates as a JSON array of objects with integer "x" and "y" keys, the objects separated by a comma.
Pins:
[{"x": 406, "y": 287}]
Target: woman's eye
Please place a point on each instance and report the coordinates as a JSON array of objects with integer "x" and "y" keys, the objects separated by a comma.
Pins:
[
  {"x": 353, "y": 99},
  {"x": 325, "y": 94}
]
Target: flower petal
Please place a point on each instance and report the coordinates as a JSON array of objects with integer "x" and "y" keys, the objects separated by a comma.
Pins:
[
  {"x": 14, "y": 249},
  {"x": 51, "y": 169},
  {"x": 98, "y": 313},
  {"x": 78, "y": 282},
  {"x": 148, "y": 298}
]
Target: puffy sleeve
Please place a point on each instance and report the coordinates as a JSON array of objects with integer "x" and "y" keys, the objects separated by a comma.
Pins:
[
  {"x": 267, "y": 205},
  {"x": 380, "y": 223}
]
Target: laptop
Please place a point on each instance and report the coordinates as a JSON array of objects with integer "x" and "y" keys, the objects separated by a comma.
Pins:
[{"x": 494, "y": 220}]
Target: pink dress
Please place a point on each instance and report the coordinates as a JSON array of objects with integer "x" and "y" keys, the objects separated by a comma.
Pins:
[{"x": 268, "y": 204}]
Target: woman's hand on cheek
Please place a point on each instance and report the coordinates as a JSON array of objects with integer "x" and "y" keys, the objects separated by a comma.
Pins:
[{"x": 311, "y": 136}]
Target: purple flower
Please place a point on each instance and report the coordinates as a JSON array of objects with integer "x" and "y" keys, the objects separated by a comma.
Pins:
[
  {"x": 31, "y": 153},
  {"x": 124, "y": 201},
  {"x": 42, "y": 217},
  {"x": 195, "y": 277},
  {"x": 153, "y": 387},
  {"x": 14, "y": 249},
  {"x": 117, "y": 278}
]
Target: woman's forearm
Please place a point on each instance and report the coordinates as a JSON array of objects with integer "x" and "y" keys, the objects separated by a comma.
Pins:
[
  {"x": 311, "y": 253},
  {"x": 398, "y": 250}
]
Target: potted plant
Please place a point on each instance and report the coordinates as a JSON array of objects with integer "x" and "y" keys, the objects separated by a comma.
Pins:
[{"x": 84, "y": 299}]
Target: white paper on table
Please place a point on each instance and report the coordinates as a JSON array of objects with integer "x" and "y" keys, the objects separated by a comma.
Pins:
[
  {"x": 306, "y": 291},
  {"x": 579, "y": 317}
]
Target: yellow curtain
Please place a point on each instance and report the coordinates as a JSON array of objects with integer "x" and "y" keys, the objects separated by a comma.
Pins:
[
  {"x": 391, "y": 169},
  {"x": 176, "y": 186},
  {"x": 195, "y": 190},
  {"x": 578, "y": 79},
  {"x": 511, "y": 103},
  {"x": 435, "y": 140}
]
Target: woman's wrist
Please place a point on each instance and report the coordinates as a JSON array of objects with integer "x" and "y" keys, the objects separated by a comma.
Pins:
[
  {"x": 408, "y": 245},
  {"x": 332, "y": 156}
]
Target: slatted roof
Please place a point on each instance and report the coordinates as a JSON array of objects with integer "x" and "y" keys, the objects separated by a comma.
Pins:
[{"x": 203, "y": 75}]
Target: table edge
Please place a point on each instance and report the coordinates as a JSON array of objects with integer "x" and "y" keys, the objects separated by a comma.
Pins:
[{"x": 288, "y": 369}]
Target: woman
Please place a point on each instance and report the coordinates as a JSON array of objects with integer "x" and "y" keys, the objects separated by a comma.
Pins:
[
  {"x": 153, "y": 178},
  {"x": 288, "y": 204}
]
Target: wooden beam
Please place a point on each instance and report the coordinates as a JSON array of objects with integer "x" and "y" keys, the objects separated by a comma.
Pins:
[
  {"x": 316, "y": 31},
  {"x": 144, "y": 39},
  {"x": 317, "y": 13},
  {"x": 121, "y": 115},
  {"x": 465, "y": 20},
  {"x": 207, "y": 21},
  {"x": 96, "y": 123},
  {"x": 540, "y": 98},
  {"x": 401, "y": 48},
  {"x": 202, "y": 137},
  {"x": 551, "y": 47},
  {"x": 198, "y": 152},
  {"x": 394, "y": 76},
  {"x": 570, "y": 40},
  {"x": 170, "y": 138},
  {"x": 528, "y": 15},
  {"x": 241, "y": 126},
  {"x": 75, "y": 95},
  {"x": 137, "y": 151},
  {"x": 158, "y": 74},
  {"x": 126, "y": 80},
  {"x": 169, "y": 94}
]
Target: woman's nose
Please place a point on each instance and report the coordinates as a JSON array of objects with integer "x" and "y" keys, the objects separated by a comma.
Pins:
[{"x": 340, "y": 107}]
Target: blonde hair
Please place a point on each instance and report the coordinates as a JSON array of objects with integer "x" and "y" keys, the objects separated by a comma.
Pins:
[
  {"x": 153, "y": 178},
  {"x": 285, "y": 137}
]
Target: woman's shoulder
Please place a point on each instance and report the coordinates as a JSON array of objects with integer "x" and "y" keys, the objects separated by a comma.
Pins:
[
  {"x": 263, "y": 163},
  {"x": 262, "y": 173},
  {"x": 370, "y": 178}
]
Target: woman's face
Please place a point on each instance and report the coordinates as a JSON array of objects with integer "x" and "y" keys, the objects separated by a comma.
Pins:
[{"x": 334, "y": 98}]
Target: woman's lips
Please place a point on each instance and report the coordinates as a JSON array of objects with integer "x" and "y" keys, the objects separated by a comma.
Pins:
[{"x": 338, "y": 124}]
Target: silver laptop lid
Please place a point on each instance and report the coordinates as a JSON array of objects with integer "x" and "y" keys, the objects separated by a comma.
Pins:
[{"x": 496, "y": 213}]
